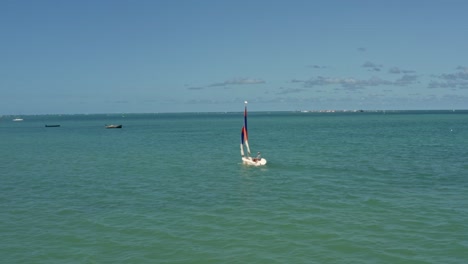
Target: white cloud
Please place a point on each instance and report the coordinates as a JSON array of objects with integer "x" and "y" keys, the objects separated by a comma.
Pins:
[
  {"x": 372, "y": 66},
  {"x": 289, "y": 90},
  {"x": 238, "y": 81},
  {"x": 454, "y": 80},
  {"x": 315, "y": 66},
  {"x": 406, "y": 80},
  {"x": 355, "y": 83},
  {"x": 394, "y": 70},
  {"x": 347, "y": 83}
]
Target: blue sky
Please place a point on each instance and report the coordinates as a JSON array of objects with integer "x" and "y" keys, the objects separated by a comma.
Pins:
[{"x": 61, "y": 57}]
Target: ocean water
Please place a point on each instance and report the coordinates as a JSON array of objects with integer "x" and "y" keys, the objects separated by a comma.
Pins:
[{"x": 170, "y": 188}]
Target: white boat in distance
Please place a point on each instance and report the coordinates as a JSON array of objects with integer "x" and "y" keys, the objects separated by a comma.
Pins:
[{"x": 247, "y": 159}]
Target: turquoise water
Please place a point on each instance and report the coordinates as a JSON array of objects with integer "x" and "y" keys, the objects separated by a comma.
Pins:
[{"x": 170, "y": 188}]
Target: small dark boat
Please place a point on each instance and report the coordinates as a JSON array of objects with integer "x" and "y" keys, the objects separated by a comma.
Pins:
[
  {"x": 113, "y": 126},
  {"x": 52, "y": 125}
]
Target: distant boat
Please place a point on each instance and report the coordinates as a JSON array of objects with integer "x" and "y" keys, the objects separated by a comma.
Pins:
[
  {"x": 113, "y": 126},
  {"x": 52, "y": 125},
  {"x": 247, "y": 159},
  {"x": 17, "y": 119}
]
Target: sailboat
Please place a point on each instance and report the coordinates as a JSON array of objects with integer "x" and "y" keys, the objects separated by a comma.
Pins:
[{"x": 247, "y": 159}]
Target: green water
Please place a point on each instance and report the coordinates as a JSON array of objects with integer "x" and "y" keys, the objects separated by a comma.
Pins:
[{"x": 170, "y": 188}]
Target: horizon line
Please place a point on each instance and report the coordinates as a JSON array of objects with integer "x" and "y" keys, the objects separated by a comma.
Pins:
[{"x": 250, "y": 111}]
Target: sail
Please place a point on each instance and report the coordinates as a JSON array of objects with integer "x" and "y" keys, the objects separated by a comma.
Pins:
[{"x": 244, "y": 136}]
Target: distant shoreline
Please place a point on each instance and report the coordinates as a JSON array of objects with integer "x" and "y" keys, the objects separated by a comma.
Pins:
[{"x": 235, "y": 112}]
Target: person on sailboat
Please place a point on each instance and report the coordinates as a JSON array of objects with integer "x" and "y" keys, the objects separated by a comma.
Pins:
[{"x": 258, "y": 158}]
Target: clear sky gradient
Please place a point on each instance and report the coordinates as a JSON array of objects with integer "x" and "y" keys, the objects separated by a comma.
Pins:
[{"x": 63, "y": 57}]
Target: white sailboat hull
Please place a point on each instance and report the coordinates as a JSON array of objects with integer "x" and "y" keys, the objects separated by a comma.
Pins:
[{"x": 253, "y": 162}]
